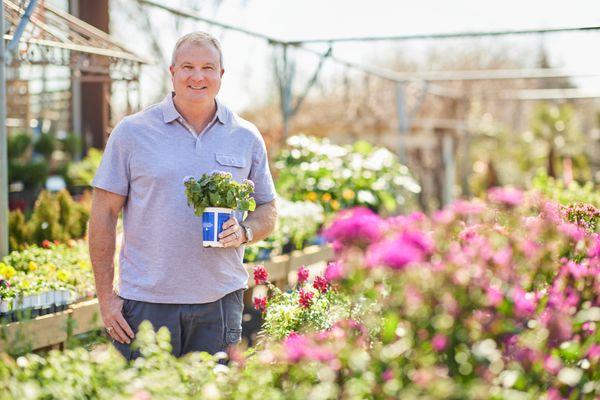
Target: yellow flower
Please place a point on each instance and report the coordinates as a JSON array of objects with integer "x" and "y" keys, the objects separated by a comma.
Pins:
[
  {"x": 51, "y": 267},
  {"x": 348, "y": 194},
  {"x": 7, "y": 271},
  {"x": 32, "y": 266},
  {"x": 326, "y": 197},
  {"x": 335, "y": 205},
  {"x": 311, "y": 196},
  {"x": 63, "y": 275}
]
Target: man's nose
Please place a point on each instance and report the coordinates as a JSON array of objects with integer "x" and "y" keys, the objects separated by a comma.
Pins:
[{"x": 198, "y": 74}]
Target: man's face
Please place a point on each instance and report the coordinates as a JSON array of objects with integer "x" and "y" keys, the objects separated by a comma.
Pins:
[{"x": 197, "y": 73}]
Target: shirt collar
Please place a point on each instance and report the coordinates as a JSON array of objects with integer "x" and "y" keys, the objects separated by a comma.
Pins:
[{"x": 170, "y": 113}]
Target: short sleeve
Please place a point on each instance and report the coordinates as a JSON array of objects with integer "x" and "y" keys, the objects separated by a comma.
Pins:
[
  {"x": 113, "y": 174},
  {"x": 260, "y": 174}
]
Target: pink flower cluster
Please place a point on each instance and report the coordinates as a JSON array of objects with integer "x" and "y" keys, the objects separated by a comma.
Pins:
[
  {"x": 260, "y": 275},
  {"x": 356, "y": 227}
]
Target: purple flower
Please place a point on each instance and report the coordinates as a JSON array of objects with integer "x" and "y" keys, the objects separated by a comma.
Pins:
[{"x": 508, "y": 196}]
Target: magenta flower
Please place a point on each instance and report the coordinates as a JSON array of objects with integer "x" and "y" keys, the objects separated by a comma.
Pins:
[
  {"x": 387, "y": 375},
  {"x": 321, "y": 284},
  {"x": 508, "y": 196},
  {"x": 405, "y": 248},
  {"x": 594, "y": 352},
  {"x": 466, "y": 208},
  {"x": 524, "y": 302},
  {"x": 576, "y": 233},
  {"x": 298, "y": 347},
  {"x": 305, "y": 299},
  {"x": 439, "y": 342},
  {"x": 494, "y": 296},
  {"x": 260, "y": 274},
  {"x": 552, "y": 364},
  {"x": 355, "y": 227},
  {"x": 334, "y": 271},
  {"x": 260, "y": 303},
  {"x": 303, "y": 274}
]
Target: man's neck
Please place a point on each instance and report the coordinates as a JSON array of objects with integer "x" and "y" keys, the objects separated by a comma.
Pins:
[{"x": 196, "y": 114}]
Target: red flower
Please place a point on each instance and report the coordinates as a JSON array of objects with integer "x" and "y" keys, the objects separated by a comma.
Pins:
[
  {"x": 46, "y": 244},
  {"x": 305, "y": 298},
  {"x": 302, "y": 274},
  {"x": 260, "y": 303},
  {"x": 260, "y": 274},
  {"x": 321, "y": 284}
]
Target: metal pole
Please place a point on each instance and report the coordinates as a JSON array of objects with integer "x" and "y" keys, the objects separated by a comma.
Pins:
[
  {"x": 449, "y": 168},
  {"x": 402, "y": 120},
  {"x": 3, "y": 150}
]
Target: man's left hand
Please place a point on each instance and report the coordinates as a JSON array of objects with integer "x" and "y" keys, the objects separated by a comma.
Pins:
[{"x": 233, "y": 234}]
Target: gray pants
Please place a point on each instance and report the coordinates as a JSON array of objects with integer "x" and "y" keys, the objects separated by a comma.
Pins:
[{"x": 209, "y": 327}]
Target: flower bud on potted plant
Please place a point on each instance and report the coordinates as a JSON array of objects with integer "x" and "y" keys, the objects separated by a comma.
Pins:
[{"x": 214, "y": 197}]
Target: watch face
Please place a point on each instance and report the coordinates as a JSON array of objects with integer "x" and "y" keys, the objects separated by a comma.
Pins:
[{"x": 249, "y": 234}]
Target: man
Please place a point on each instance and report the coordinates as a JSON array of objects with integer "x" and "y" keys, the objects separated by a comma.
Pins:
[{"x": 165, "y": 274}]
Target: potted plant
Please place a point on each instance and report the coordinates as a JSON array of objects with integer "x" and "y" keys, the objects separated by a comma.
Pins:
[{"x": 214, "y": 197}]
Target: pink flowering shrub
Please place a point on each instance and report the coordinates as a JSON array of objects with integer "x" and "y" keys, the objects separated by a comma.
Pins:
[{"x": 483, "y": 300}]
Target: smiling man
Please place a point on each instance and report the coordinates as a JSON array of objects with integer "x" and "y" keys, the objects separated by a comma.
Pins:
[{"x": 165, "y": 274}]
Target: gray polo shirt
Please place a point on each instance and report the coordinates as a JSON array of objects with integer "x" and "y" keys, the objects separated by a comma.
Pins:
[{"x": 147, "y": 156}]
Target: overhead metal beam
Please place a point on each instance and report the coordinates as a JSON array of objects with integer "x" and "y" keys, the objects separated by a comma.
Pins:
[
  {"x": 448, "y": 35},
  {"x": 495, "y": 74},
  {"x": 539, "y": 94}
]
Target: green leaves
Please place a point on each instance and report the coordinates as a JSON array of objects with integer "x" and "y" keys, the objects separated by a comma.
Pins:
[{"x": 219, "y": 189}]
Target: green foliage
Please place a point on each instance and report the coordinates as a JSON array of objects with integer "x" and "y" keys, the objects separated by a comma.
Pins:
[
  {"x": 218, "y": 189},
  {"x": 17, "y": 144},
  {"x": 45, "y": 145},
  {"x": 82, "y": 173},
  {"x": 501, "y": 157},
  {"x": 574, "y": 192},
  {"x": 33, "y": 174},
  {"x": 285, "y": 315},
  {"x": 54, "y": 217},
  {"x": 344, "y": 176},
  {"x": 71, "y": 144}
]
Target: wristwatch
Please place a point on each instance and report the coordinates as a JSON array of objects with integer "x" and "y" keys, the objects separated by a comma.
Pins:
[{"x": 249, "y": 233}]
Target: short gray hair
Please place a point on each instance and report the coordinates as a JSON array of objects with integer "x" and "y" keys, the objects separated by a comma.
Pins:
[{"x": 201, "y": 39}]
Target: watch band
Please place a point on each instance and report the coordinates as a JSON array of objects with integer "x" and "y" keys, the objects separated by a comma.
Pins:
[{"x": 248, "y": 232}]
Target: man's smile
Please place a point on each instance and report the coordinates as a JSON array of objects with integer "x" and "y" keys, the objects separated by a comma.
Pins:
[{"x": 196, "y": 87}]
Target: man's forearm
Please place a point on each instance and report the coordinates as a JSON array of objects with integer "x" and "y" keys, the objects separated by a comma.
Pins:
[
  {"x": 102, "y": 252},
  {"x": 262, "y": 221}
]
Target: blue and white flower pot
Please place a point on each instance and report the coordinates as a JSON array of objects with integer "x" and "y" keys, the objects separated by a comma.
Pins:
[{"x": 213, "y": 219}]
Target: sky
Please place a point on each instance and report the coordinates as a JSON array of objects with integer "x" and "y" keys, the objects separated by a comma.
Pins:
[{"x": 248, "y": 78}]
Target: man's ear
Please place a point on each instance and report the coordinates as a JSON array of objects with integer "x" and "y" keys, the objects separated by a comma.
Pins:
[
  {"x": 222, "y": 72},
  {"x": 172, "y": 70}
]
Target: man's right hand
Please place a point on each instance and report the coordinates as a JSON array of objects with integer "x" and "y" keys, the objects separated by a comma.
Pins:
[{"x": 111, "y": 308}]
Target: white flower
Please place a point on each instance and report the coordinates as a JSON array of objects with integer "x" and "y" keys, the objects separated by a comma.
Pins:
[{"x": 187, "y": 178}]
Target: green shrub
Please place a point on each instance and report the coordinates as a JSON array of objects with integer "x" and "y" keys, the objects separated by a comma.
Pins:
[
  {"x": 82, "y": 173},
  {"x": 45, "y": 145},
  {"x": 17, "y": 144}
]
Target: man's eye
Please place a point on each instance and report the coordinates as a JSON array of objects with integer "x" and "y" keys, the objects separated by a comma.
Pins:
[
  {"x": 209, "y": 67},
  {"x": 187, "y": 67}
]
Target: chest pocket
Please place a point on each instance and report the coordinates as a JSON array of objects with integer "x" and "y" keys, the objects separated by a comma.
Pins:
[{"x": 230, "y": 160}]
